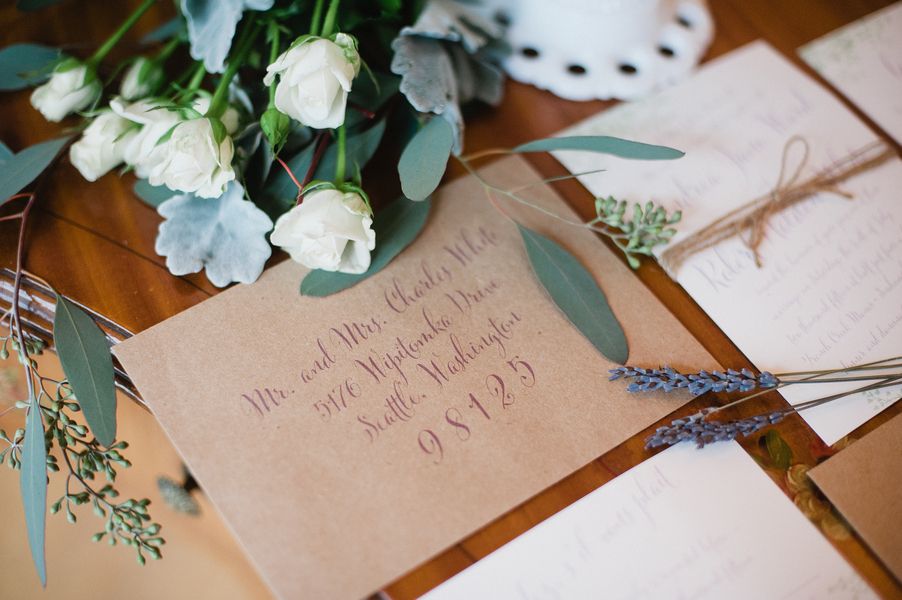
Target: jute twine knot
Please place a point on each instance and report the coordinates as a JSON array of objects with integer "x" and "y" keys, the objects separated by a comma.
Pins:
[{"x": 750, "y": 220}]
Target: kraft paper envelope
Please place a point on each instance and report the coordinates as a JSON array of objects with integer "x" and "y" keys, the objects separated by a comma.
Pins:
[
  {"x": 864, "y": 482},
  {"x": 348, "y": 439}
]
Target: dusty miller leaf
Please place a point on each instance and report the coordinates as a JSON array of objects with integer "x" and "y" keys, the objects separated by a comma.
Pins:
[
  {"x": 211, "y": 27},
  {"x": 33, "y": 486},
  {"x": 455, "y": 22},
  {"x": 574, "y": 290},
  {"x": 396, "y": 226},
  {"x": 225, "y": 235},
  {"x": 85, "y": 355}
]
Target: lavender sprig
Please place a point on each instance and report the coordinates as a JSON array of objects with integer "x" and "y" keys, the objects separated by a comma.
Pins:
[
  {"x": 695, "y": 428},
  {"x": 667, "y": 379}
]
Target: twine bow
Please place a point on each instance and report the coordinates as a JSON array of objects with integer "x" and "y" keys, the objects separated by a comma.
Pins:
[{"x": 750, "y": 220}]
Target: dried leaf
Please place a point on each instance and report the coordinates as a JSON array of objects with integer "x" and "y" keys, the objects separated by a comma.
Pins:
[{"x": 211, "y": 27}]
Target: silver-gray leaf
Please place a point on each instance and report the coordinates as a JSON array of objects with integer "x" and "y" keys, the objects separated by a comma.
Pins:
[
  {"x": 211, "y": 27},
  {"x": 456, "y": 22},
  {"x": 225, "y": 235}
]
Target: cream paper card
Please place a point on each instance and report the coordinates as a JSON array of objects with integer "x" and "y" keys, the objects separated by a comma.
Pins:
[
  {"x": 829, "y": 293},
  {"x": 687, "y": 523},
  {"x": 864, "y": 482},
  {"x": 863, "y": 60},
  {"x": 348, "y": 439}
]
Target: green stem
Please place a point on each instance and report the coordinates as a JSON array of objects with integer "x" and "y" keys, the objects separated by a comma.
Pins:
[
  {"x": 219, "y": 102},
  {"x": 168, "y": 49},
  {"x": 196, "y": 78},
  {"x": 340, "y": 157},
  {"x": 273, "y": 55},
  {"x": 317, "y": 17},
  {"x": 108, "y": 45},
  {"x": 331, "y": 15}
]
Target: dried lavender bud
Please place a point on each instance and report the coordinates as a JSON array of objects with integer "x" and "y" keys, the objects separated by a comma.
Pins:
[
  {"x": 695, "y": 428},
  {"x": 667, "y": 379}
]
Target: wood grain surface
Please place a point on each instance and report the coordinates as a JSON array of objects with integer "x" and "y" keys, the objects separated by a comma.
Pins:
[{"x": 94, "y": 241}]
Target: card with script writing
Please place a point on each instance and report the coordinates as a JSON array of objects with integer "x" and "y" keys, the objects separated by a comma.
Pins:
[
  {"x": 687, "y": 523},
  {"x": 347, "y": 439},
  {"x": 864, "y": 482},
  {"x": 828, "y": 290},
  {"x": 863, "y": 60}
]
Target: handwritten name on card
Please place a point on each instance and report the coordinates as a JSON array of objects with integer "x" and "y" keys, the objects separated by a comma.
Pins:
[
  {"x": 392, "y": 419},
  {"x": 829, "y": 291},
  {"x": 686, "y": 523}
]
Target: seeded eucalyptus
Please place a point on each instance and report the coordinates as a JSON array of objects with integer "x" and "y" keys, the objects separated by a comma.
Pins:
[{"x": 646, "y": 227}]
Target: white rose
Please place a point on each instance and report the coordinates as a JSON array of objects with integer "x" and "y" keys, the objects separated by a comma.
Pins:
[
  {"x": 230, "y": 118},
  {"x": 314, "y": 80},
  {"x": 102, "y": 145},
  {"x": 141, "y": 79},
  {"x": 329, "y": 230},
  {"x": 72, "y": 87},
  {"x": 143, "y": 152},
  {"x": 193, "y": 161}
]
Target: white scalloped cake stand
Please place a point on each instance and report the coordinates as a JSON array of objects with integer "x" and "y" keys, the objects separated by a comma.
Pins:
[{"x": 586, "y": 49}]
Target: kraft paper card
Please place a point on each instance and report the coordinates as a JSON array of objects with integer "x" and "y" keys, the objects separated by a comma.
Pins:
[
  {"x": 864, "y": 482},
  {"x": 828, "y": 292},
  {"x": 863, "y": 60},
  {"x": 348, "y": 439},
  {"x": 688, "y": 523}
]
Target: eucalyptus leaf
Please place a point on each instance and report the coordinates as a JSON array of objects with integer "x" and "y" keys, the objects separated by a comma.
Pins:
[
  {"x": 5, "y": 153},
  {"x": 85, "y": 355},
  {"x": 225, "y": 235},
  {"x": 167, "y": 30},
  {"x": 778, "y": 450},
  {"x": 211, "y": 27},
  {"x": 33, "y": 486},
  {"x": 153, "y": 195},
  {"x": 577, "y": 295},
  {"x": 25, "y": 65},
  {"x": 602, "y": 144},
  {"x": 21, "y": 169},
  {"x": 396, "y": 226},
  {"x": 425, "y": 158}
]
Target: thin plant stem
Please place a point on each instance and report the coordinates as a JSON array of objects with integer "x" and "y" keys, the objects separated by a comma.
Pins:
[
  {"x": 340, "y": 155},
  {"x": 167, "y": 50},
  {"x": 197, "y": 77},
  {"x": 331, "y": 16},
  {"x": 219, "y": 102},
  {"x": 111, "y": 41},
  {"x": 316, "y": 19},
  {"x": 290, "y": 174},
  {"x": 273, "y": 55},
  {"x": 322, "y": 143},
  {"x": 870, "y": 365},
  {"x": 885, "y": 383},
  {"x": 547, "y": 180}
]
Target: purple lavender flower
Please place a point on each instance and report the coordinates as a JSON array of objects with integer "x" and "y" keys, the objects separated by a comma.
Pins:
[
  {"x": 667, "y": 379},
  {"x": 695, "y": 428}
]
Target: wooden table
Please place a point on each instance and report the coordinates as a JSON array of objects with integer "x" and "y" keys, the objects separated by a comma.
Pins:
[{"x": 94, "y": 242}]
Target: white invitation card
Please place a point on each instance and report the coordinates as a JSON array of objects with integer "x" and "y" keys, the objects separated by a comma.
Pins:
[
  {"x": 828, "y": 291},
  {"x": 686, "y": 523},
  {"x": 863, "y": 60}
]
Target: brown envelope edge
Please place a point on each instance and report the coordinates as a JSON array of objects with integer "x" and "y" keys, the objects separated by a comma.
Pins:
[{"x": 864, "y": 483}]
